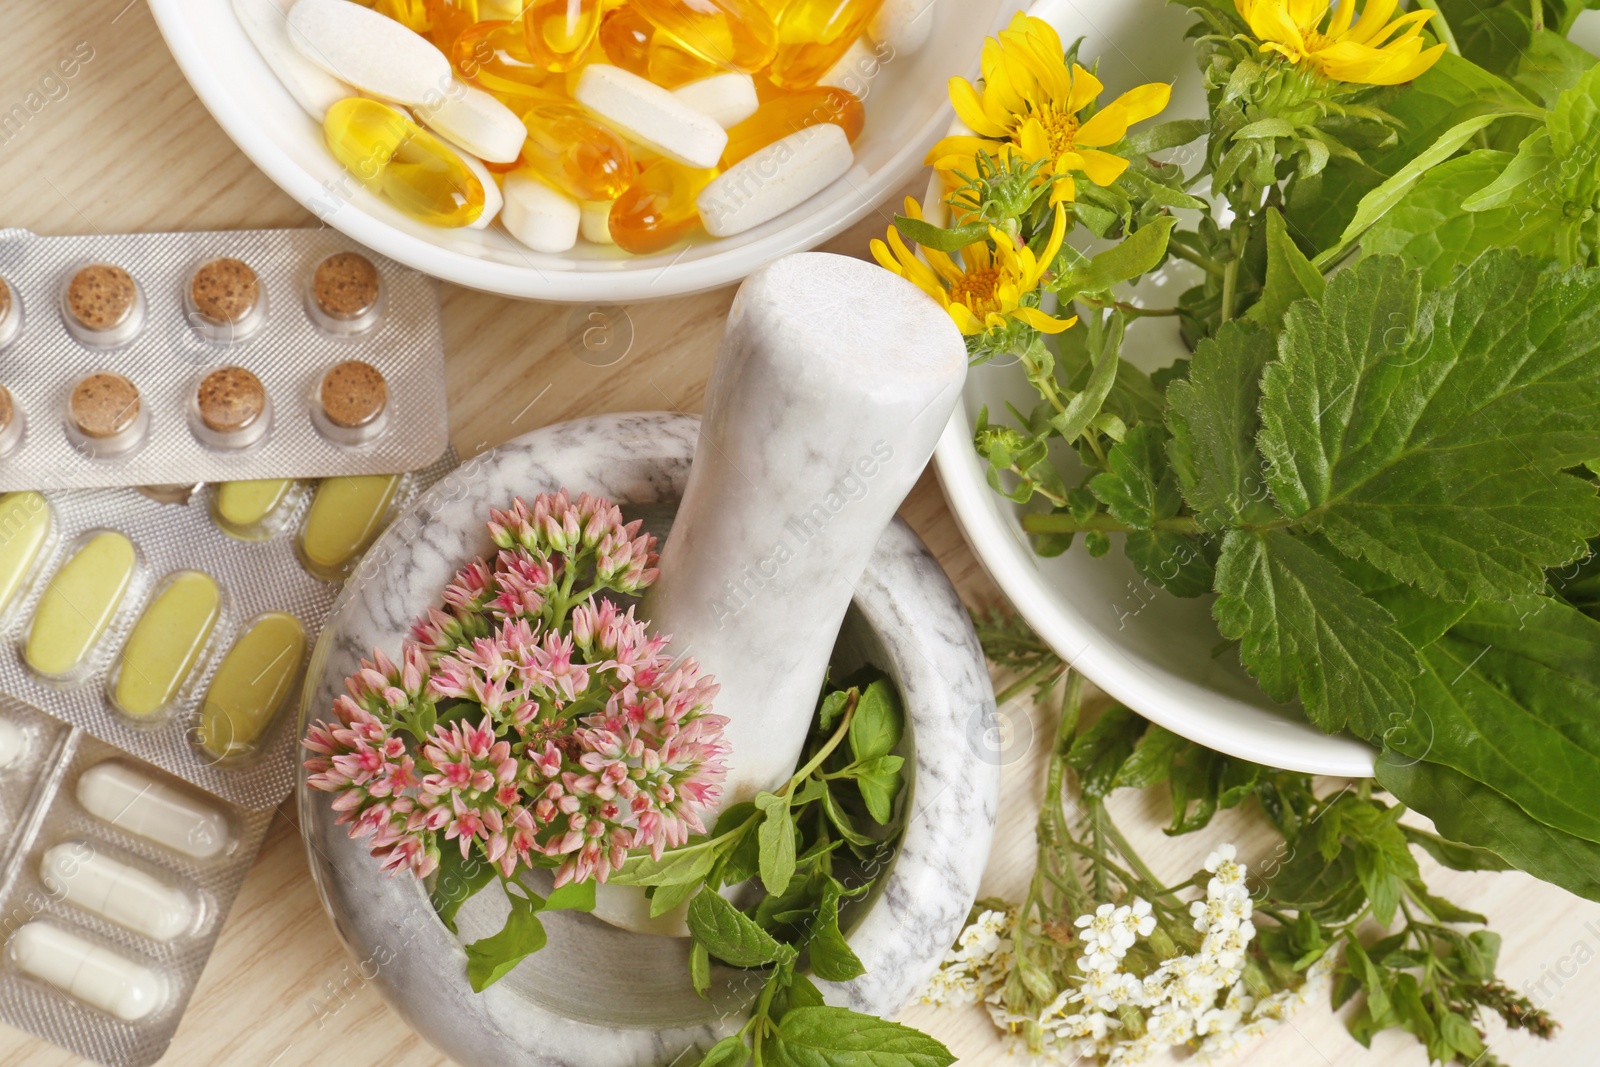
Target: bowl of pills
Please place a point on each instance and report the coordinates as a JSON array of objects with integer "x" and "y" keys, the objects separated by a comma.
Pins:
[{"x": 582, "y": 150}]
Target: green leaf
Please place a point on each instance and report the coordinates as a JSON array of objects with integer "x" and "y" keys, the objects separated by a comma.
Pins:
[
  {"x": 1442, "y": 909},
  {"x": 700, "y": 970},
  {"x": 492, "y": 958},
  {"x": 1453, "y": 854},
  {"x": 1429, "y": 436},
  {"x": 1151, "y": 761},
  {"x": 1395, "y": 188},
  {"x": 456, "y": 881},
  {"x": 838, "y": 1037},
  {"x": 878, "y": 723},
  {"x": 1550, "y": 65},
  {"x": 879, "y": 781},
  {"x": 732, "y": 936},
  {"x": 691, "y": 863},
  {"x": 1290, "y": 276},
  {"x": 831, "y": 956},
  {"x": 1082, "y": 409},
  {"x": 1524, "y": 180},
  {"x": 1420, "y": 618},
  {"x": 574, "y": 896},
  {"x": 1306, "y": 630},
  {"x": 801, "y": 992},
  {"x": 1141, "y": 489},
  {"x": 1470, "y": 812},
  {"x": 1509, "y": 698},
  {"x": 833, "y": 706},
  {"x": 1162, "y": 136},
  {"x": 776, "y": 834},
  {"x": 731, "y": 1051},
  {"x": 842, "y": 821},
  {"x": 1214, "y": 417},
  {"x": 666, "y": 897},
  {"x": 1136, "y": 254},
  {"x": 928, "y": 235},
  {"x": 1099, "y": 752}
]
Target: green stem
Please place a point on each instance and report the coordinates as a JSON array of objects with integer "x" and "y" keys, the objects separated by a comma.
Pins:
[
  {"x": 1060, "y": 522},
  {"x": 1184, "y": 252},
  {"x": 1153, "y": 883},
  {"x": 827, "y": 749},
  {"x": 1441, "y": 25},
  {"x": 1052, "y": 667}
]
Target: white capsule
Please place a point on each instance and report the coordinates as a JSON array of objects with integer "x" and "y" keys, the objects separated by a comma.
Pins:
[
  {"x": 89, "y": 879},
  {"x": 595, "y": 221},
  {"x": 729, "y": 97},
  {"x": 767, "y": 183},
  {"x": 542, "y": 218},
  {"x": 476, "y": 121},
  {"x": 95, "y": 975},
  {"x": 903, "y": 25},
  {"x": 13, "y": 744},
  {"x": 374, "y": 53},
  {"x": 313, "y": 88},
  {"x": 643, "y": 111},
  {"x": 138, "y": 804}
]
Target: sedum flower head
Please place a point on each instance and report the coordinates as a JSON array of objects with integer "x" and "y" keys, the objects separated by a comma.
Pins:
[
  {"x": 1032, "y": 105},
  {"x": 1376, "y": 49},
  {"x": 985, "y": 290}
]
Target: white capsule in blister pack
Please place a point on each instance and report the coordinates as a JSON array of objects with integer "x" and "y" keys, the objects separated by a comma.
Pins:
[
  {"x": 88, "y": 878},
  {"x": 135, "y": 802},
  {"x": 179, "y": 358},
  {"x": 93, "y": 973}
]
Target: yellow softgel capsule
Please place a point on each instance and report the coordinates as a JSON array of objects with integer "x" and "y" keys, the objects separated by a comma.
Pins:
[
  {"x": 345, "y": 517},
  {"x": 733, "y": 34},
  {"x": 493, "y": 55},
  {"x": 250, "y": 685},
  {"x": 240, "y": 508},
  {"x": 24, "y": 527},
  {"x": 658, "y": 209},
  {"x": 573, "y": 152},
  {"x": 79, "y": 603},
  {"x": 402, "y": 162},
  {"x": 559, "y": 33},
  {"x": 784, "y": 112},
  {"x": 166, "y": 642},
  {"x": 813, "y": 35},
  {"x": 448, "y": 20}
]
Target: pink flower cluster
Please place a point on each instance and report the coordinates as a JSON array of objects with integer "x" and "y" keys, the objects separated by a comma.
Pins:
[{"x": 547, "y": 726}]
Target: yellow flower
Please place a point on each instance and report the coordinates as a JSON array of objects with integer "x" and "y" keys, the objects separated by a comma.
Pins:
[
  {"x": 985, "y": 289},
  {"x": 1376, "y": 50},
  {"x": 1029, "y": 107}
]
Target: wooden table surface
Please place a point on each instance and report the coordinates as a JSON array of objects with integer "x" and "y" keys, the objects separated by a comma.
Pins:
[{"x": 124, "y": 145}]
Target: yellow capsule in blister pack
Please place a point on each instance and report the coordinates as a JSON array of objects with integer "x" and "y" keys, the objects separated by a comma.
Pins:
[
  {"x": 782, "y": 113},
  {"x": 493, "y": 55},
  {"x": 575, "y": 153},
  {"x": 658, "y": 209},
  {"x": 560, "y": 33},
  {"x": 402, "y": 162},
  {"x": 813, "y": 35},
  {"x": 734, "y": 34}
]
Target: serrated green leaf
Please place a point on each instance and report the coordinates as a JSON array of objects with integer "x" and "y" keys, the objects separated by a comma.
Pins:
[
  {"x": 838, "y": 1037},
  {"x": 1214, "y": 417},
  {"x": 831, "y": 956},
  {"x": 1099, "y": 752},
  {"x": 1508, "y": 698},
  {"x": 1468, "y": 811},
  {"x": 491, "y": 958},
  {"x": 732, "y": 936},
  {"x": 1151, "y": 761},
  {"x": 776, "y": 836},
  {"x": 878, "y": 723},
  {"x": 1429, "y": 437},
  {"x": 1290, "y": 276},
  {"x": 1306, "y": 630},
  {"x": 1138, "y": 488}
]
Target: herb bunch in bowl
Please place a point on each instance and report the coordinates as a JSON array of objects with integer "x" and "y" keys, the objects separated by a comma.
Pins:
[{"x": 1378, "y": 458}]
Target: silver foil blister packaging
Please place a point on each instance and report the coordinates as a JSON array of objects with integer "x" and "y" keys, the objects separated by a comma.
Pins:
[
  {"x": 115, "y": 880},
  {"x": 145, "y": 683},
  {"x": 139, "y": 359}
]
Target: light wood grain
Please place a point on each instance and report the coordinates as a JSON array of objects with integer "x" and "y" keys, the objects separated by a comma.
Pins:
[{"x": 128, "y": 147}]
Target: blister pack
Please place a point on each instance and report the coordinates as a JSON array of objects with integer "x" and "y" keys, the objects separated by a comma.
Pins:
[
  {"x": 115, "y": 880},
  {"x": 140, "y": 359},
  {"x": 178, "y": 631}
]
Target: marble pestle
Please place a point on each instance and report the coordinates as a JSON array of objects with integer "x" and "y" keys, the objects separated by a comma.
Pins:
[{"x": 832, "y": 384}]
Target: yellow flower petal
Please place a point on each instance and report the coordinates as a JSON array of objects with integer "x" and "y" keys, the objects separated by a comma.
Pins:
[
  {"x": 965, "y": 321},
  {"x": 1042, "y": 322},
  {"x": 1102, "y": 168},
  {"x": 969, "y": 107}
]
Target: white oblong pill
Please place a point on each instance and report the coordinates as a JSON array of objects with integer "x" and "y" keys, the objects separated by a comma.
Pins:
[
  {"x": 643, "y": 111},
  {"x": 903, "y": 25},
  {"x": 542, "y": 218},
  {"x": 84, "y": 877},
  {"x": 474, "y": 120},
  {"x": 729, "y": 97},
  {"x": 767, "y": 183},
  {"x": 135, "y": 802},
  {"x": 13, "y": 743},
  {"x": 370, "y": 51},
  {"x": 313, "y": 88},
  {"x": 95, "y": 975},
  {"x": 594, "y": 222}
]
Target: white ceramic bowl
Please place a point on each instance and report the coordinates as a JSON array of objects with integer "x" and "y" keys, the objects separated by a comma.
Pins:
[
  {"x": 1152, "y": 651},
  {"x": 907, "y": 110}
]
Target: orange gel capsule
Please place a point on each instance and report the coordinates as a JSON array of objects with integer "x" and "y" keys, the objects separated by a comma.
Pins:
[
  {"x": 448, "y": 20},
  {"x": 734, "y": 34},
  {"x": 658, "y": 209},
  {"x": 781, "y": 114},
  {"x": 573, "y": 152},
  {"x": 412, "y": 14},
  {"x": 813, "y": 35},
  {"x": 493, "y": 55},
  {"x": 402, "y": 162},
  {"x": 630, "y": 41},
  {"x": 559, "y": 33}
]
